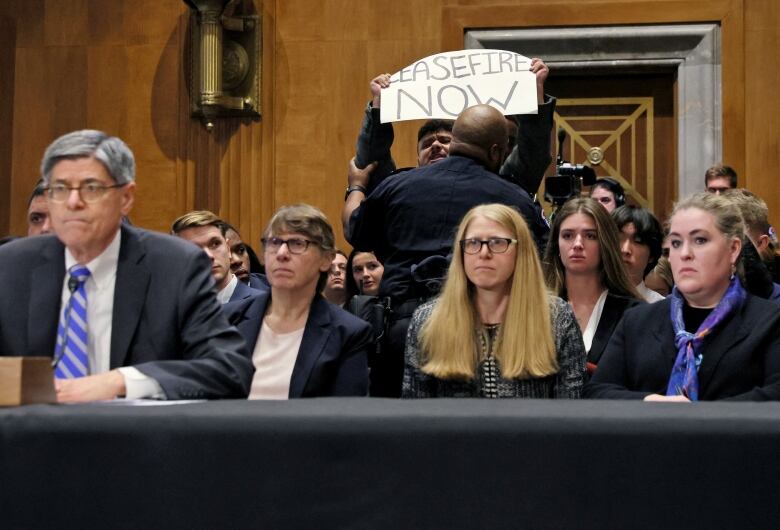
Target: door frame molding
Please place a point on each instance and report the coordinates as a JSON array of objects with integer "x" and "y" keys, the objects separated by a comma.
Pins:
[{"x": 728, "y": 14}]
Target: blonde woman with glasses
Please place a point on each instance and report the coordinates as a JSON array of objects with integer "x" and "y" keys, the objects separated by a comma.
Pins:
[{"x": 494, "y": 331}]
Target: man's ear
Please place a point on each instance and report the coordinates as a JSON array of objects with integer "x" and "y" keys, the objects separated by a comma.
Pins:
[
  {"x": 128, "y": 197},
  {"x": 496, "y": 156},
  {"x": 762, "y": 242}
]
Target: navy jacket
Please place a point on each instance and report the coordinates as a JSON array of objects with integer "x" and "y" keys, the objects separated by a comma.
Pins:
[
  {"x": 414, "y": 215},
  {"x": 333, "y": 358},
  {"x": 242, "y": 292}
]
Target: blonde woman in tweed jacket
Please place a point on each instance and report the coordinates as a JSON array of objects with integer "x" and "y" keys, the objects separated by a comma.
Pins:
[{"x": 494, "y": 331}]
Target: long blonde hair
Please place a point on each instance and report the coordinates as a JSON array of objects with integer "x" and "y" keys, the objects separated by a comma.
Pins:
[{"x": 525, "y": 346}]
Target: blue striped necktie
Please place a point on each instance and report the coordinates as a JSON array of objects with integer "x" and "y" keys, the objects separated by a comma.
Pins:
[{"x": 72, "y": 338}]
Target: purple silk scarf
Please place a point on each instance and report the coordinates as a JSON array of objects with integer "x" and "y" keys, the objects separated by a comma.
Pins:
[{"x": 684, "y": 379}]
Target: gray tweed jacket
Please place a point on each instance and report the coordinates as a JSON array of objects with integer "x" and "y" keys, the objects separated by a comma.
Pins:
[{"x": 567, "y": 383}]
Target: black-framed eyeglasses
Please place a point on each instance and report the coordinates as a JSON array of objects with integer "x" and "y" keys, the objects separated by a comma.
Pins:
[
  {"x": 89, "y": 192},
  {"x": 497, "y": 245},
  {"x": 296, "y": 245}
]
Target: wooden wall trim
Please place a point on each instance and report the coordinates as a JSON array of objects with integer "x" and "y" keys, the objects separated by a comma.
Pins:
[
  {"x": 729, "y": 13},
  {"x": 7, "y": 69}
]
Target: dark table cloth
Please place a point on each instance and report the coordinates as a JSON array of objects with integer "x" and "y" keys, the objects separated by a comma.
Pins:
[{"x": 372, "y": 463}]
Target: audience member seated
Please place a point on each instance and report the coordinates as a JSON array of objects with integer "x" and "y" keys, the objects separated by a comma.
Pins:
[
  {"x": 302, "y": 345},
  {"x": 640, "y": 245},
  {"x": 660, "y": 278},
  {"x": 364, "y": 274},
  {"x": 335, "y": 290},
  {"x": 38, "y": 211},
  {"x": 583, "y": 266},
  {"x": 136, "y": 309},
  {"x": 755, "y": 213},
  {"x": 494, "y": 331},
  {"x": 207, "y": 231},
  {"x": 243, "y": 260},
  {"x": 609, "y": 193},
  {"x": 720, "y": 178},
  {"x": 710, "y": 339}
]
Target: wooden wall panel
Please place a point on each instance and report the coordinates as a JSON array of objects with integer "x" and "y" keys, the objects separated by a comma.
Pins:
[
  {"x": 120, "y": 65},
  {"x": 7, "y": 67},
  {"x": 762, "y": 111}
]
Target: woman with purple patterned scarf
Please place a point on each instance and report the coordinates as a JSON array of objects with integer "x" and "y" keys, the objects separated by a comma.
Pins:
[{"x": 709, "y": 339}]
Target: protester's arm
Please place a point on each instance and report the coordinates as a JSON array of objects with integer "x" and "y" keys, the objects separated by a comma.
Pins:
[
  {"x": 356, "y": 179},
  {"x": 375, "y": 138},
  {"x": 530, "y": 156}
]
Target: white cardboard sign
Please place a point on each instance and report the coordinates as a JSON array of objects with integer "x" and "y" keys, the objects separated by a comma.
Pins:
[{"x": 444, "y": 85}]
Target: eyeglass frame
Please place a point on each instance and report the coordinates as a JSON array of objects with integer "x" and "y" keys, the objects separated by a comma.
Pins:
[
  {"x": 482, "y": 242},
  {"x": 281, "y": 242},
  {"x": 100, "y": 189}
]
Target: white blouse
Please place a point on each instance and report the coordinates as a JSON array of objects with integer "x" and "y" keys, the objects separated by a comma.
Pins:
[
  {"x": 274, "y": 359},
  {"x": 593, "y": 322}
]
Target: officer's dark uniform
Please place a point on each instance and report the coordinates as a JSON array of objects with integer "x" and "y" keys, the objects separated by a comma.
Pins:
[{"x": 414, "y": 215}]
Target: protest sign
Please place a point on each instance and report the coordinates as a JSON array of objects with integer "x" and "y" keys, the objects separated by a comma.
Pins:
[{"x": 445, "y": 84}]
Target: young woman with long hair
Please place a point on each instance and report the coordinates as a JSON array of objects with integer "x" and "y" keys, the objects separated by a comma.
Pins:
[{"x": 583, "y": 265}]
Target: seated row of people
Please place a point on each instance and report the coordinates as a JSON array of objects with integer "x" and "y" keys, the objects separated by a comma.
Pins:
[
  {"x": 710, "y": 339},
  {"x": 590, "y": 262}
]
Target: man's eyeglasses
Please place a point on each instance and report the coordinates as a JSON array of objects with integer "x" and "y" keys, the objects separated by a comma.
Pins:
[
  {"x": 90, "y": 192},
  {"x": 296, "y": 245},
  {"x": 497, "y": 245}
]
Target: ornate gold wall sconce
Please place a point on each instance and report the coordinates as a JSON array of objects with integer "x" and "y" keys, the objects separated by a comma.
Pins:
[{"x": 225, "y": 66}]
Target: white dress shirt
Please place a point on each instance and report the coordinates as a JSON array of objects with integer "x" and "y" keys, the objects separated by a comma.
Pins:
[
  {"x": 100, "y": 310},
  {"x": 648, "y": 294},
  {"x": 223, "y": 296}
]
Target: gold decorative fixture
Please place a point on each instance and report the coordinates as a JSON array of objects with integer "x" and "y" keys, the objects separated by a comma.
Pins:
[
  {"x": 595, "y": 156},
  {"x": 226, "y": 50},
  {"x": 616, "y": 135}
]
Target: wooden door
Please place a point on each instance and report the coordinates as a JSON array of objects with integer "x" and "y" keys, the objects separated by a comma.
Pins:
[{"x": 624, "y": 127}]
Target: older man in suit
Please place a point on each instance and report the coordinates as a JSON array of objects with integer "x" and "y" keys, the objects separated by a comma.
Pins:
[{"x": 136, "y": 310}]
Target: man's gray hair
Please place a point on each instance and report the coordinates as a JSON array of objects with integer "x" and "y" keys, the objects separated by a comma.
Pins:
[{"x": 112, "y": 152}]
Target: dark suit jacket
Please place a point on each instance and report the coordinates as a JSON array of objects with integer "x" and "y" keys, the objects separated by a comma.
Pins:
[
  {"x": 614, "y": 307},
  {"x": 333, "y": 358},
  {"x": 741, "y": 359},
  {"x": 258, "y": 281},
  {"x": 166, "y": 318},
  {"x": 242, "y": 292}
]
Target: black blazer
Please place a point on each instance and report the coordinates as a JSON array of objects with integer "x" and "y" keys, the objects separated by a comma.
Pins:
[
  {"x": 166, "y": 319},
  {"x": 333, "y": 357},
  {"x": 741, "y": 359},
  {"x": 614, "y": 307}
]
